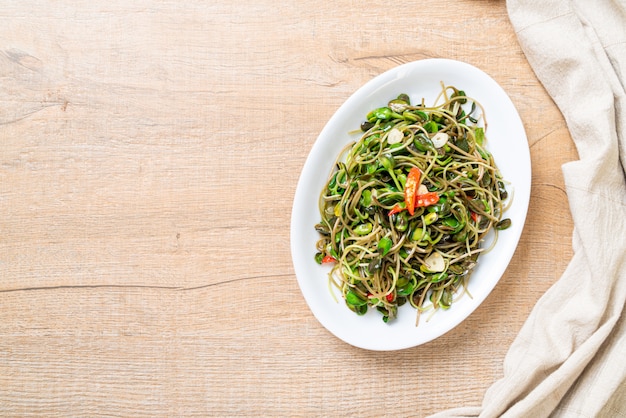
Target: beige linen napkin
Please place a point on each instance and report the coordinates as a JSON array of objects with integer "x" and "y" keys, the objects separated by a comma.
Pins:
[{"x": 569, "y": 359}]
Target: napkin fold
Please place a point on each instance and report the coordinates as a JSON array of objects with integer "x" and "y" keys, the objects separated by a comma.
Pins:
[{"x": 569, "y": 358}]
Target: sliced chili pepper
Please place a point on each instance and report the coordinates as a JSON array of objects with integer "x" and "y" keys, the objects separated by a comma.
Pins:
[
  {"x": 389, "y": 297},
  {"x": 396, "y": 209},
  {"x": 328, "y": 259},
  {"x": 475, "y": 216},
  {"x": 413, "y": 200},
  {"x": 426, "y": 199},
  {"x": 410, "y": 189}
]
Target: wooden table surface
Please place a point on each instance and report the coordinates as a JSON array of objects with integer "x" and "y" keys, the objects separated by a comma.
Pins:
[{"x": 149, "y": 154}]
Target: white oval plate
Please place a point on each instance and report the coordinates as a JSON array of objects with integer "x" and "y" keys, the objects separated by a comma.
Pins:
[{"x": 507, "y": 142}]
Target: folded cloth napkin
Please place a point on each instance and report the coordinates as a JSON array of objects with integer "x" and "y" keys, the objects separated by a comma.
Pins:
[{"x": 569, "y": 359}]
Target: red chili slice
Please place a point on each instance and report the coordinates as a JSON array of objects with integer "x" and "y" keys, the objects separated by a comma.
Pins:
[{"x": 410, "y": 189}]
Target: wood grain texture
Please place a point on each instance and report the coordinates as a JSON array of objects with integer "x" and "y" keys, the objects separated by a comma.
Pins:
[{"x": 149, "y": 153}]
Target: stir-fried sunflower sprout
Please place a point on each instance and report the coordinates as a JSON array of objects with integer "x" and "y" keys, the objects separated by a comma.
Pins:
[{"x": 407, "y": 207}]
